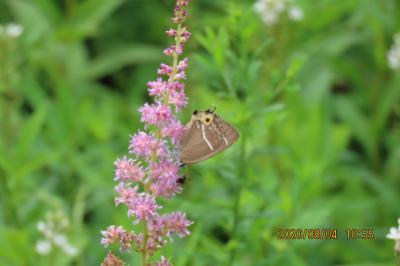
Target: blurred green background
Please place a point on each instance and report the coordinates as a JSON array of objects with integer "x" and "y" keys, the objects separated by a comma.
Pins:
[{"x": 315, "y": 103}]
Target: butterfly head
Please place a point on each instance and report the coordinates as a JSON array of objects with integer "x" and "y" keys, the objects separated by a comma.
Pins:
[{"x": 205, "y": 117}]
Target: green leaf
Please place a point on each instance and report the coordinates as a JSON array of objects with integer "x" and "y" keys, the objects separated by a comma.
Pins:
[
  {"x": 31, "y": 165},
  {"x": 5, "y": 163},
  {"x": 191, "y": 246},
  {"x": 356, "y": 120},
  {"x": 32, "y": 90},
  {"x": 36, "y": 23},
  {"x": 50, "y": 8},
  {"x": 30, "y": 132},
  {"x": 88, "y": 16},
  {"x": 13, "y": 243},
  {"x": 116, "y": 59}
]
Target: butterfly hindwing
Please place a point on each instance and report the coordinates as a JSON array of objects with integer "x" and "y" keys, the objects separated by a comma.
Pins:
[{"x": 229, "y": 133}]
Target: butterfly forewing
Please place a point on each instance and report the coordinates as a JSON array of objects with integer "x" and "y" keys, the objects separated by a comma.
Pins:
[
  {"x": 201, "y": 141},
  {"x": 193, "y": 147},
  {"x": 229, "y": 132}
]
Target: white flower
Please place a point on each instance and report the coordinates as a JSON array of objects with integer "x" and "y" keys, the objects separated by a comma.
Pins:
[
  {"x": 270, "y": 18},
  {"x": 41, "y": 226},
  {"x": 70, "y": 250},
  {"x": 53, "y": 231},
  {"x": 259, "y": 7},
  {"x": 393, "y": 54},
  {"x": 296, "y": 13},
  {"x": 61, "y": 241},
  {"x": 43, "y": 247},
  {"x": 394, "y": 234},
  {"x": 271, "y": 10},
  {"x": 14, "y": 30},
  {"x": 280, "y": 6},
  {"x": 394, "y": 58}
]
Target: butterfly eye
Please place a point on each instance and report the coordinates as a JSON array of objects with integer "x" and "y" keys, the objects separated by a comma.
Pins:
[{"x": 195, "y": 112}]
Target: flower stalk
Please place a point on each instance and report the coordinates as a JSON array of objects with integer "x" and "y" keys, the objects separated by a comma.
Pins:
[{"x": 153, "y": 170}]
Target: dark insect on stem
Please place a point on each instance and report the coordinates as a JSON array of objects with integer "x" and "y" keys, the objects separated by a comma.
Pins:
[{"x": 181, "y": 180}]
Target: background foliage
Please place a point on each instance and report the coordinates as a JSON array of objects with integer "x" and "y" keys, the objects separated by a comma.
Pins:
[{"x": 315, "y": 103}]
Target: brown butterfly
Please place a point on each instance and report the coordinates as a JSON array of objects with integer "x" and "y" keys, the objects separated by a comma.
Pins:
[{"x": 204, "y": 136}]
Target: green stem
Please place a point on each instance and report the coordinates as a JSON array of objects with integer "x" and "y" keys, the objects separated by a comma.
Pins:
[
  {"x": 8, "y": 130},
  {"x": 397, "y": 258},
  {"x": 10, "y": 213},
  {"x": 52, "y": 258},
  {"x": 145, "y": 254},
  {"x": 236, "y": 204}
]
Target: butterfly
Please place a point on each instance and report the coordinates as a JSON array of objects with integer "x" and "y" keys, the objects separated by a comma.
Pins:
[{"x": 204, "y": 136}]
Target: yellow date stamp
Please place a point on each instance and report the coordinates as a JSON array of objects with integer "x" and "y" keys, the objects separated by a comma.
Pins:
[
  {"x": 306, "y": 233},
  {"x": 324, "y": 233}
]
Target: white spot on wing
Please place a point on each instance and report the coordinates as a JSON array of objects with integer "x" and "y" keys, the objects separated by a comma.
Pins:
[
  {"x": 205, "y": 138},
  {"x": 226, "y": 141}
]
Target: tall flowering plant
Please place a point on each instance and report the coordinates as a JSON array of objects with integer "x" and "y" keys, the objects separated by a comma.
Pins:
[{"x": 152, "y": 170}]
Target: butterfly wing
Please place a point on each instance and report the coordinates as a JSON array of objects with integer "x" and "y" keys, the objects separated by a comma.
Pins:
[
  {"x": 200, "y": 141},
  {"x": 193, "y": 147},
  {"x": 229, "y": 134}
]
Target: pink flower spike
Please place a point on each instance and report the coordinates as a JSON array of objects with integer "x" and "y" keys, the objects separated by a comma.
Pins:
[
  {"x": 111, "y": 235},
  {"x": 117, "y": 234},
  {"x": 141, "y": 144},
  {"x": 157, "y": 88},
  {"x": 176, "y": 86},
  {"x": 126, "y": 193},
  {"x": 171, "y": 33},
  {"x": 163, "y": 262},
  {"x": 185, "y": 35},
  {"x": 183, "y": 65},
  {"x": 178, "y": 99},
  {"x": 174, "y": 130},
  {"x": 155, "y": 114},
  {"x": 145, "y": 145},
  {"x": 165, "y": 170},
  {"x": 179, "y": 50},
  {"x": 125, "y": 241},
  {"x": 173, "y": 49},
  {"x": 128, "y": 170},
  {"x": 180, "y": 75},
  {"x": 164, "y": 70},
  {"x": 169, "y": 51},
  {"x": 165, "y": 188},
  {"x": 143, "y": 206},
  {"x": 177, "y": 223},
  {"x": 152, "y": 170}
]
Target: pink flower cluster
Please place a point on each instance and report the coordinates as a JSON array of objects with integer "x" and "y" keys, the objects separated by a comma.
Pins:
[{"x": 153, "y": 170}]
